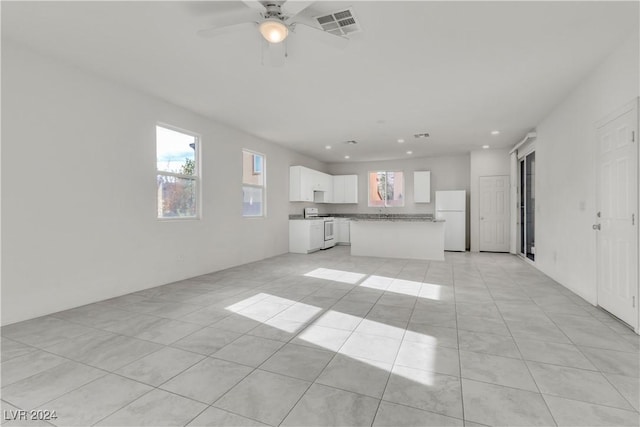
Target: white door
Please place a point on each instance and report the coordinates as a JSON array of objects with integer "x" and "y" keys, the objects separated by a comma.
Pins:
[
  {"x": 617, "y": 204},
  {"x": 494, "y": 213}
]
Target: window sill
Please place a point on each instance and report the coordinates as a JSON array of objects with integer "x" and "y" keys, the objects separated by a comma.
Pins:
[{"x": 179, "y": 219}]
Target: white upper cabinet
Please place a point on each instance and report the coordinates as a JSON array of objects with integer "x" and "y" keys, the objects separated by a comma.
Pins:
[
  {"x": 325, "y": 182},
  {"x": 345, "y": 189},
  {"x": 308, "y": 185},
  {"x": 422, "y": 186},
  {"x": 338, "y": 188},
  {"x": 300, "y": 184},
  {"x": 350, "y": 188}
]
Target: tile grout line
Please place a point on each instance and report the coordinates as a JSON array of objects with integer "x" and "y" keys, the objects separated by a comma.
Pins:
[
  {"x": 305, "y": 326},
  {"x": 455, "y": 308},
  {"x": 107, "y": 372},
  {"x": 527, "y": 367},
  {"x": 601, "y": 372},
  {"x": 334, "y": 356},
  {"x": 398, "y": 351},
  {"x": 311, "y": 383}
]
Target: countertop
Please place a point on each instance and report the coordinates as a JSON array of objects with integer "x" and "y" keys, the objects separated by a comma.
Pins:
[
  {"x": 301, "y": 218},
  {"x": 376, "y": 217},
  {"x": 391, "y": 219}
]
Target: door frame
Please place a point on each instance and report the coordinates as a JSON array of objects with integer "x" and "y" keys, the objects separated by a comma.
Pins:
[
  {"x": 521, "y": 157},
  {"x": 634, "y": 105},
  {"x": 508, "y": 211}
]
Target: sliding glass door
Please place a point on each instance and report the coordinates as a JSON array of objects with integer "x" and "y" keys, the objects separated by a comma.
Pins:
[{"x": 527, "y": 206}]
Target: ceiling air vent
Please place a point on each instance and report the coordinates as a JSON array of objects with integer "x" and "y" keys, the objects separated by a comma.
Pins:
[{"x": 340, "y": 23}]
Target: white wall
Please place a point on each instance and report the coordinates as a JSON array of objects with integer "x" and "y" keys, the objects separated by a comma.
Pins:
[
  {"x": 447, "y": 173},
  {"x": 484, "y": 163},
  {"x": 566, "y": 174},
  {"x": 79, "y": 191}
]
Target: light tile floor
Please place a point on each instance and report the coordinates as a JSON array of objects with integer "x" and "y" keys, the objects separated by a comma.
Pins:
[{"x": 330, "y": 339}]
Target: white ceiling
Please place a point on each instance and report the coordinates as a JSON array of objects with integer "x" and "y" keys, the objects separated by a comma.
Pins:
[{"x": 454, "y": 69}]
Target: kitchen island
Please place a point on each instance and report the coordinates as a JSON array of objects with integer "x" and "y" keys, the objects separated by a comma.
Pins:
[{"x": 413, "y": 238}]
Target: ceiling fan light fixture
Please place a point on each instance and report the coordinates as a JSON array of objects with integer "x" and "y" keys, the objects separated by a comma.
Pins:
[{"x": 273, "y": 30}]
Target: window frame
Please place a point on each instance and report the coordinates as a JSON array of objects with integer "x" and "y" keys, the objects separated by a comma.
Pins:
[
  {"x": 196, "y": 177},
  {"x": 385, "y": 206},
  {"x": 262, "y": 169}
]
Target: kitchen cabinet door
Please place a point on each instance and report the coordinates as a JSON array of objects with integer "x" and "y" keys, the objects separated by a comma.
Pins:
[
  {"x": 350, "y": 189},
  {"x": 345, "y": 189},
  {"x": 300, "y": 184},
  {"x": 324, "y": 182},
  {"x": 316, "y": 235},
  {"x": 343, "y": 231},
  {"x": 422, "y": 186},
  {"x": 338, "y": 189}
]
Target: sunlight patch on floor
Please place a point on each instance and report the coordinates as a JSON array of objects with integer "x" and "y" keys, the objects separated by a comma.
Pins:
[
  {"x": 430, "y": 291},
  {"x": 405, "y": 287},
  {"x": 377, "y": 282},
  {"x": 300, "y": 312},
  {"x": 336, "y": 275},
  {"x": 333, "y": 331},
  {"x": 338, "y": 320},
  {"x": 247, "y": 302}
]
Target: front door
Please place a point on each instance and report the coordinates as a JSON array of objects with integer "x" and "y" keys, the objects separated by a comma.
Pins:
[
  {"x": 494, "y": 213},
  {"x": 617, "y": 222}
]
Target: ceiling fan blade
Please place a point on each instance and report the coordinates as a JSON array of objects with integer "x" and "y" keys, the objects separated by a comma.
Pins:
[
  {"x": 274, "y": 54},
  {"x": 254, "y": 4},
  {"x": 225, "y": 29},
  {"x": 230, "y": 21},
  {"x": 291, "y": 8},
  {"x": 322, "y": 36}
]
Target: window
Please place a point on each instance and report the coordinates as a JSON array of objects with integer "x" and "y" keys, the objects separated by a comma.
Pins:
[
  {"x": 253, "y": 184},
  {"x": 386, "y": 189},
  {"x": 177, "y": 173}
]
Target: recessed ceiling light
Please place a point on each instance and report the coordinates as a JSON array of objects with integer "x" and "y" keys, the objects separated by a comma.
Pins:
[
  {"x": 346, "y": 157},
  {"x": 409, "y": 152},
  {"x": 421, "y": 135},
  {"x": 400, "y": 141},
  {"x": 328, "y": 147},
  {"x": 495, "y": 132},
  {"x": 485, "y": 146}
]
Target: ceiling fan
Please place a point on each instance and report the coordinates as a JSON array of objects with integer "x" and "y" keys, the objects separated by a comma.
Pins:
[{"x": 275, "y": 20}]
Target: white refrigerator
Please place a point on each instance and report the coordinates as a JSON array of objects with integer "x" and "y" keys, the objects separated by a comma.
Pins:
[{"x": 451, "y": 206}]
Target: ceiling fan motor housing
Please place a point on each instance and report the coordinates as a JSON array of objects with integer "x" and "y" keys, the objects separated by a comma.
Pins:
[{"x": 273, "y": 10}]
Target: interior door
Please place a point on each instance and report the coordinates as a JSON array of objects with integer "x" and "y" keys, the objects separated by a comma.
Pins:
[
  {"x": 617, "y": 225},
  {"x": 494, "y": 213}
]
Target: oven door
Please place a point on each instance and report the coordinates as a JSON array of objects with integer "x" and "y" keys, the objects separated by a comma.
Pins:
[{"x": 328, "y": 230}]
